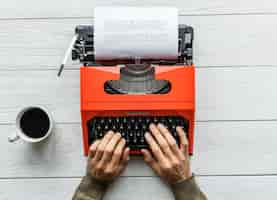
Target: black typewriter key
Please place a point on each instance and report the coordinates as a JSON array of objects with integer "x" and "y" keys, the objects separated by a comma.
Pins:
[
  {"x": 106, "y": 128},
  {"x": 114, "y": 128},
  {"x": 110, "y": 120},
  {"x": 140, "y": 120},
  {"x": 142, "y": 140},
  {"x": 163, "y": 120},
  {"x": 129, "y": 127},
  {"x": 100, "y": 135},
  {"x": 148, "y": 120},
  {"x": 135, "y": 141},
  {"x": 138, "y": 134},
  {"x": 131, "y": 138},
  {"x": 127, "y": 139},
  {"x": 144, "y": 128},
  {"x": 98, "y": 128},
  {"x": 132, "y": 120},
  {"x": 131, "y": 134},
  {"x": 155, "y": 120},
  {"x": 166, "y": 124},
  {"x": 96, "y": 120},
  {"x": 123, "y": 134},
  {"x": 173, "y": 127}
]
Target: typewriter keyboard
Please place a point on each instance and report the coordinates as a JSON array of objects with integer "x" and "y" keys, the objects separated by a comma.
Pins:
[{"x": 133, "y": 128}]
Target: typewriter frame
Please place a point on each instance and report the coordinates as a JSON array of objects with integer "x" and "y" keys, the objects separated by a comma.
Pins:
[{"x": 96, "y": 102}]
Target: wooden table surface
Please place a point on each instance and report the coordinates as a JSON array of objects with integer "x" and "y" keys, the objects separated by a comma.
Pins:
[{"x": 236, "y": 111}]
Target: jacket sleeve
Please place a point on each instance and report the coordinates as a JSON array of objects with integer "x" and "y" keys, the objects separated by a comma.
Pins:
[
  {"x": 90, "y": 189},
  {"x": 187, "y": 190}
]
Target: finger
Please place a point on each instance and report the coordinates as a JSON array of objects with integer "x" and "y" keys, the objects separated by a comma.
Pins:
[
  {"x": 170, "y": 139},
  {"x": 160, "y": 140},
  {"x": 102, "y": 145},
  {"x": 110, "y": 147},
  {"x": 150, "y": 160},
  {"x": 125, "y": 157},
  {"x": 117, "y": 154},
  {"x": 183, "y": 140},
  {"x": 157, "y": 152},
  {"x": 124, "y": 160},
  {"x": 93, "y": 148}
]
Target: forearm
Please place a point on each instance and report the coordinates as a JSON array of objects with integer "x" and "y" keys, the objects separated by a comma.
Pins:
[
  {"x": 90, "y": 189},
  {"x": 187, "y": 190}
]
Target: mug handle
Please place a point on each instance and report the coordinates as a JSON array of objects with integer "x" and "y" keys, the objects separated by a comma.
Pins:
[{"x": 14, "y": 137}]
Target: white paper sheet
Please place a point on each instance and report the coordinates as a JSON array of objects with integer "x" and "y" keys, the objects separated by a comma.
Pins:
[{"x": 136, "y": 32}]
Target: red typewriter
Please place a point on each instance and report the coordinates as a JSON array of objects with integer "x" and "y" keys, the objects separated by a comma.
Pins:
[{"x": 127, "y": 95}]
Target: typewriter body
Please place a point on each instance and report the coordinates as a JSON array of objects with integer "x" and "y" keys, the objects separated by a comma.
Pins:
[{"x": 127, "y": 95}]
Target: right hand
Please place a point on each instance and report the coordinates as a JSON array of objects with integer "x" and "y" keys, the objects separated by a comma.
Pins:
[
  {"x": 168, "y": 160},
  {"x": 107, "y": 157}
]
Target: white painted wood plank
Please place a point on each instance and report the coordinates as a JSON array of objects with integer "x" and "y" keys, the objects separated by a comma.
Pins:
[
  {"x": 236, "y": 94},
  {"x": 235, "y": 148},
  {"x": 232, "y": 40},
  {"x": 62, "y": 8},
  {"x": 220, "y": 148},
  {"x": 60, "y": 155},
  {"x": 23, "y": 88},
  {"x": 221, "y": 93},
  {"x": 216, "y": 188}
]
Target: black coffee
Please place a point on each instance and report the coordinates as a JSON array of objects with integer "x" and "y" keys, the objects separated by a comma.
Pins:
[{"x": 35, "y": 123}]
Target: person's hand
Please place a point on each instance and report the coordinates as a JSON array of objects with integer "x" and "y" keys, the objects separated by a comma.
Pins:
[
  {"x": 107, "y": 157},
  {"x": 167, "y": 159}
]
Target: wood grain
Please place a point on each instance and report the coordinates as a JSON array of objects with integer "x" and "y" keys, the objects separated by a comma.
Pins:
[
  {"x": 221, "y": 148},
  {"x": 231, "y": 40},
  {"x": 216, "y": 188},
  {"x": 221, "y": 93},
  {"x": 63, "y": 8}
]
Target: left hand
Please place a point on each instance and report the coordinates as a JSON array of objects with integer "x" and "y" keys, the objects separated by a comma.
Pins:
[{"x": 107, "y": 157}]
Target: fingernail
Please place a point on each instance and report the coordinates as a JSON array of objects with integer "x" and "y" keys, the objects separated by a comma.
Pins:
[
  {"x": 160, "y": 124},
  {"x": 90, "y": 148},
  {"x": 146, "y": 134},
  {"x": 110, "y": 132}
]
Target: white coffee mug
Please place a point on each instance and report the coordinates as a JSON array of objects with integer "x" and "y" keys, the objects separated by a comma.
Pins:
[{"x": 20, "y": 134}]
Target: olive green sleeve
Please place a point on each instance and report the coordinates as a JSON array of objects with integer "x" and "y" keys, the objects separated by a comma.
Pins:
[
  {"x": 187, "y": 190},
  {"x": 90, "y": 189}
]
